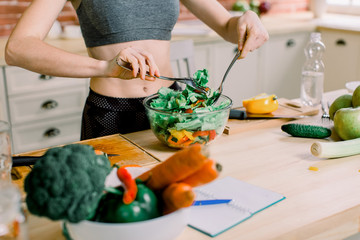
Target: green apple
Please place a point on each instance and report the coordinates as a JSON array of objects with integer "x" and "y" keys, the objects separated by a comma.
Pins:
[
  {"x": 356, "y": 97},
  {"x": 347, "y": 123},
  {"x": 343, "y": 101}
]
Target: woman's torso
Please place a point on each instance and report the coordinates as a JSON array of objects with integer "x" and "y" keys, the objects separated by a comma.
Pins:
[
  {"x": 116, "y": 87},
  {"x": 107, "y": 36}
]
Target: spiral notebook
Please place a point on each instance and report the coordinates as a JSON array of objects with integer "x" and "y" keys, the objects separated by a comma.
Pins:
[{"x": 247, "y": 200}]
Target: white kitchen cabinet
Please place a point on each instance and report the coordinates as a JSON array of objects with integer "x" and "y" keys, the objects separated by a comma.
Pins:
[
  {"x": 282, "y": 59},
  {"x": 44, "y": 111},
  {"x": 3, "y": 99},
  {"x": 275, "y": 68},
  {"x": 242, "y": 80},
  {"x": 44, "y": 105},
  {"x": 20, "y": 81},
  {"x": 203, "y": 56},
  {"x": 341, "y": 57},
  {"x": 43, "y": 134}
]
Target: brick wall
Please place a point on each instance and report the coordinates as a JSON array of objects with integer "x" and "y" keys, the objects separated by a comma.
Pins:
[{"x": 11, "y": 10}]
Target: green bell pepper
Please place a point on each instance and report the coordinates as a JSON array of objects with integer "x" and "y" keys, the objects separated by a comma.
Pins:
[{"x": 112, "y": 209}]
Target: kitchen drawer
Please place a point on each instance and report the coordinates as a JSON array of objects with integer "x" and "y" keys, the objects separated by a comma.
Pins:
[
  {"x": 45, "y": 134},
  {"x": 22, "y": 81},
  {"x": 46, "y": 105}
]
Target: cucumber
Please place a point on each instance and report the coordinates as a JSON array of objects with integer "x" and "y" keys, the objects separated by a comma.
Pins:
[{"x": 307, "y": 131}]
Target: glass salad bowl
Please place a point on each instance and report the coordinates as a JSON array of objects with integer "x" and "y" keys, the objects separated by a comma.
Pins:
[{"x": 179, "y": 127}]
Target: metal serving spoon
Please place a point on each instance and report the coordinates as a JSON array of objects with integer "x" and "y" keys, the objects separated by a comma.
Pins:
[{"x": 218, "y": 91}]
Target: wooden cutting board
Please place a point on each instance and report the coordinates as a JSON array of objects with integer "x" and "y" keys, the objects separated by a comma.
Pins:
[
  {"x": 128, "y": 153},
  {"x": 286, "y": 107}
]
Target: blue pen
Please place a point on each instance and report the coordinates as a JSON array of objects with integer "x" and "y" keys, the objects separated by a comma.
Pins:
[{"x": 211, "y": 202}]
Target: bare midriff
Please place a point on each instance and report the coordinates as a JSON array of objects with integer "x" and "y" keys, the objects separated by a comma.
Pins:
[{"x": 132, "y": 88}]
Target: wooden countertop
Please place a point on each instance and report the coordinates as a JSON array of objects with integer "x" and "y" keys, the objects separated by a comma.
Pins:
[{"x": 323, "y": 204}]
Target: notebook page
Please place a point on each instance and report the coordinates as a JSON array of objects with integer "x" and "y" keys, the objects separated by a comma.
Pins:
[{"x": 247, "y": 200}]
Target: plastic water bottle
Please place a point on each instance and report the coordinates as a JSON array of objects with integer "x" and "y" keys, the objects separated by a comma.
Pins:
[{"x": 312, "y": 75}]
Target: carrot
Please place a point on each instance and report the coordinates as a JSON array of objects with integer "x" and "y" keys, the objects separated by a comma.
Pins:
[
  {"x": 187, "y": 143},
  {"x": 177, "y": 167},
  {"x": 171, "y": 141},
  {"x": 176, "y": 196},
  {"x": 182, "y": 140},
  {"x": 206, "y": 174},
  {"x": 98, "y": 152},
  {"x": 130, "y": 185}
]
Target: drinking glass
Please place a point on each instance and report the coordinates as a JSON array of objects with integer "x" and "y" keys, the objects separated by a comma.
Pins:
[
  {"x": 5, "y": 151},
  {"x": 12, "y": 220}
]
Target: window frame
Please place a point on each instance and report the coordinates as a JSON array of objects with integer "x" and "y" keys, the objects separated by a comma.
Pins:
[{"x": 350, "y": 8}]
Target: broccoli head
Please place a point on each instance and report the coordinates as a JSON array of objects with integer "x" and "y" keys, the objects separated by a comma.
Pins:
[{"x": 67, "y": 183}]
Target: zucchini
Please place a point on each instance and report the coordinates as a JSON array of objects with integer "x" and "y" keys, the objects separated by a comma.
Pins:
[
  {"x": 308, "y": 131},
  {"x": 336, "y": 149}
]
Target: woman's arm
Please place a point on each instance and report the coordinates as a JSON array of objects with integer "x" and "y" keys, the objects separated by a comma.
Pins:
[
  {"x": 25, "y": 48},
  {"x": 247, "y": 30}
]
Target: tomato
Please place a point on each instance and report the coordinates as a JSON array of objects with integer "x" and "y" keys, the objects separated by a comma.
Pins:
[
  {"x": 212, "y": 134},
  {"x": 200, "y": 133}
]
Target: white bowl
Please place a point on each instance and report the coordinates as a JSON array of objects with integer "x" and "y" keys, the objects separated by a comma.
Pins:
[
  {"x": 166, "y": 227},
  {"x": 351, "y": 86}
]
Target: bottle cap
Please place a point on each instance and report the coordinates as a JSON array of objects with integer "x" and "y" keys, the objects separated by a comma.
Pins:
[{"x": 315, "y": 35}]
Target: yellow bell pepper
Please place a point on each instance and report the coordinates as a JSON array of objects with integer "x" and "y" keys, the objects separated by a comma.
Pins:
[
  {"x": 261, "y": 104},
  {"x": 180, "y": 134}
]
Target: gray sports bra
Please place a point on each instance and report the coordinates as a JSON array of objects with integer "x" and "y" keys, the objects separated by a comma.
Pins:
[{"x": 105, "y": 22}]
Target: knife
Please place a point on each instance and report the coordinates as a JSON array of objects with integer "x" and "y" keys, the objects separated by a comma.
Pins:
[
  {"x": 24, "y": 160},
  {"x": 242, "y": 115},
  {"x": 18, "y": 161}
]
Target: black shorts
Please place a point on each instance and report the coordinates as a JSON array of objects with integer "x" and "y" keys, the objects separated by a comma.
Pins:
[{"x": 104, "y": 115}]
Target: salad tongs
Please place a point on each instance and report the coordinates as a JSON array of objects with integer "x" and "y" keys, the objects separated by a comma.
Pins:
[{"x": 188, "y": 81}]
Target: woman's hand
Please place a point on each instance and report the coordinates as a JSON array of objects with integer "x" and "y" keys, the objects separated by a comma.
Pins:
[
  {"x": 246, "y": 30},
  {"x": 252, "y": 34},
  {"x": 141, "y": 62}
]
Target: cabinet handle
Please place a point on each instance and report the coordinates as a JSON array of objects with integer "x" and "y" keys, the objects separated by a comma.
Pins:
[
  {"x": 45, "y": 77},
  {"x": 340, "y": 42},
  {"x": 290, "y": 43},
  {"x": 50, "y": 104},
  {"x": 52, "y": 132}
]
